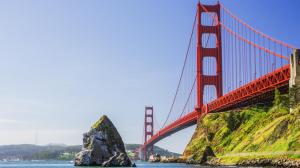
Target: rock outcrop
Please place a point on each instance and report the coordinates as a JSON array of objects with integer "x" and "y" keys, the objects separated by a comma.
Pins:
[
  {"x": 265, "y": 162},
  {"x": 103, "y": 146},
  {"x": 203, "y": 156},
  {"x": 208, "y": 152}
]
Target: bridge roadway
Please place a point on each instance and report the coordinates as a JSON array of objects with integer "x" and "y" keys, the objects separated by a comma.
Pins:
[{"x": 258, "y": 90}]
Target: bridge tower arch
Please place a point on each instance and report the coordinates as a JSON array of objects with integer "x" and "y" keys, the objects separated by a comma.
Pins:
[{"x": 205, "y": 52}]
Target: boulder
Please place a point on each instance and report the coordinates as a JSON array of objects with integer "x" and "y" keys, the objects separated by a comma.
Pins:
[{"x": 102, "y": 146}]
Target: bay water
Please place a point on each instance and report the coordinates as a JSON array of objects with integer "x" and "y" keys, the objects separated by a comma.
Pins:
[{"x": 65, "y": 164}]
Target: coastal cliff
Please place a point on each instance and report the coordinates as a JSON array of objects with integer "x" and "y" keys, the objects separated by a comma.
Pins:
[
  {"x": 103, "y": 146},
  {"x": 240, "y": 137}
]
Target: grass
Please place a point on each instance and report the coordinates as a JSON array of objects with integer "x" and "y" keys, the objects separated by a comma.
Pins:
[{"x": 262, "y": 130}]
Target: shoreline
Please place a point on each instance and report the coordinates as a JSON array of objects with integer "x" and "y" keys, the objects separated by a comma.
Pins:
[
  {"x": 278, "y": 162},
  {"x": 243, "y": 162}
]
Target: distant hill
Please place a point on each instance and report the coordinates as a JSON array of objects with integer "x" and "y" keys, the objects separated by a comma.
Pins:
[
  {"x": 55, "y": 152},
  {"x": 156, "y": 149},
  {"x": 35, "y": 152}
]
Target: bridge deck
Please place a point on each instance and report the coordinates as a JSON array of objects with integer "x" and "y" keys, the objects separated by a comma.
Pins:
[{"x": 256, "y": 89}]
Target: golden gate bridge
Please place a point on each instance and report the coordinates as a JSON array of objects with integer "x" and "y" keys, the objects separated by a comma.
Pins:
[{"x": 228, "y": 64}]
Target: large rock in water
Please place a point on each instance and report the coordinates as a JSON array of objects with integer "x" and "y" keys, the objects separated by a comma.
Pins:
[{"x": 102, "y": 146}]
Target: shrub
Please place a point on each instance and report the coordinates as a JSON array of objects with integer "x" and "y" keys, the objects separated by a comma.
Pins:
[
  {"x": 280, "y": 99},
  {"x": 210, "y": 136},
  {"x": 234, "y": 120}
]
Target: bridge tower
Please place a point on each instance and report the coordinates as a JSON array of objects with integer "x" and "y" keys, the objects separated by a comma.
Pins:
[
  {"x": 148, "y": 130},
  {"x": 202, "y": 52}
]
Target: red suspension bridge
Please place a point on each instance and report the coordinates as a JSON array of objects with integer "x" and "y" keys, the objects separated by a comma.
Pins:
[{"x": 228, "y": 64}]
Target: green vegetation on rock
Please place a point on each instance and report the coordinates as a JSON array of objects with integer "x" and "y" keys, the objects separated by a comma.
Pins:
[
  {"x": 97, "y": 124},
  {"x": 269, "y": 131},
  {"x": 106, "y": 126}
]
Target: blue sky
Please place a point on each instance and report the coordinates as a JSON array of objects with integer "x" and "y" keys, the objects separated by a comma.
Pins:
[{"x": 65, "y": 63}]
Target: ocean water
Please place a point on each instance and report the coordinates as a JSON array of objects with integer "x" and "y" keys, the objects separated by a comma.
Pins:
[{"x": 58, "y": 164}]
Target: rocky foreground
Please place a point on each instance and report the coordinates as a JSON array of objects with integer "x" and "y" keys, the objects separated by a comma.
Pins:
[
  {"x": 103, "y": 146},
  {"x": 216, "y": 162},
  {"x": 284, "y": 162}
]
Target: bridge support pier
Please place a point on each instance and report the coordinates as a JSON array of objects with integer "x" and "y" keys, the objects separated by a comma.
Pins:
[{"x": 294, "y": 83}]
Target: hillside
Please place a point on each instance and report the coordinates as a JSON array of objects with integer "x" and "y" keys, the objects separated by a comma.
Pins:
[
  {"x": 253, "y": 132},
  {"x": 55, "y": 152}
]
